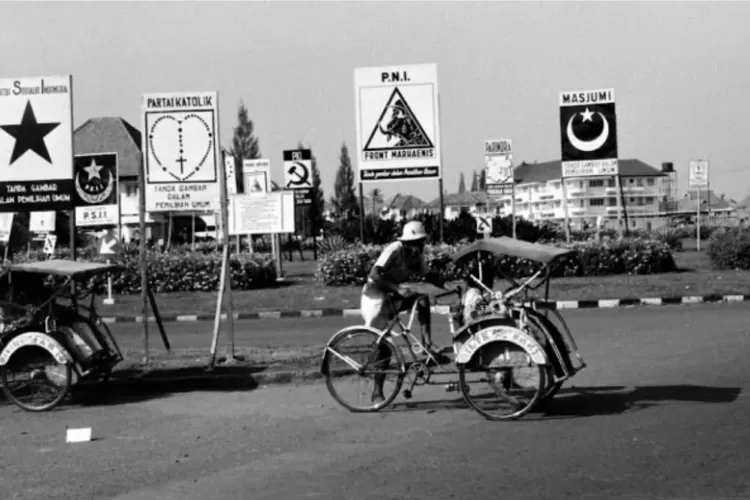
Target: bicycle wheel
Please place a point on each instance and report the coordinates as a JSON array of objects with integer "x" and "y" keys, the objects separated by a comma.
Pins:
[
  {"x": 34, "y": 380},
  {"x": 510, "y": 383},
  {"x": 355, "y": 349}
]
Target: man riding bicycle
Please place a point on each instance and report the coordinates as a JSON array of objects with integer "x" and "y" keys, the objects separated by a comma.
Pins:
[{"x": 383, "y": 297}]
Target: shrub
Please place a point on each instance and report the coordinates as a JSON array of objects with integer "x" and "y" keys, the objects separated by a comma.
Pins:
[
  {"x": 179, "y": 270},
  {"x": 628, "y": 256},
  {"x": 671, "y": 237},
  {"x": 730, "y": 248}
]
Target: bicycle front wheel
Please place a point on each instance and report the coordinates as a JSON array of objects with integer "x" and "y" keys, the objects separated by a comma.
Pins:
[{"x": 354, "y": 365}]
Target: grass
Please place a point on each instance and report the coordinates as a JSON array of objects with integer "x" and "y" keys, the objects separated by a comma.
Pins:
[{"x": 302, "y": 292}]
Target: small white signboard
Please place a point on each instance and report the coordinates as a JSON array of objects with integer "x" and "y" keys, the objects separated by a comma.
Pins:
[
  {"x": 484, "y": 223},
  {"x": 50, "y": 241},
  {"x": 42, "y": 222},
  {"x": 256, "y": 175},
  {"x": 398, "y": 123},
  {"x": 698, "y": 173},
  {"x": 262, "y": 213},
  {"x": 229, "y": 174},
  {"x": 6, "y": 226},
  {"x": 180, "y": 151},
  {"x": 36, "y": 143}
]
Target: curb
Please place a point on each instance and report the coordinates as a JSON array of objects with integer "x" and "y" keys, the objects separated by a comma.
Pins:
[{"x": 333, "y": 312}]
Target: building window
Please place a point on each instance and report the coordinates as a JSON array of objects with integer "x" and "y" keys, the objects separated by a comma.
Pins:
[
  {"x": 596, "y": 202},
  {"x": 649, "y": 200},
  {"x": 650, "y": 181},
  {"x": 631, "y": 181},
  {"x": 612, "y": 202},
  {"x": 639, "y": 182},
  {"x": 632, "y": 200},
  {"x": 596, "y": 183},
  {"x": 611, "y": 183}
]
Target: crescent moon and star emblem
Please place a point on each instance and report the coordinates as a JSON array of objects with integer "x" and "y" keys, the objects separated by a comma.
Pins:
[
  {"x": 96, "y": 189},
  {"x": 593, "y": 144}
]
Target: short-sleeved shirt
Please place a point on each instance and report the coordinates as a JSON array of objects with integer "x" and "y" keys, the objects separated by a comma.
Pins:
[{"x": 396, "y": 268}]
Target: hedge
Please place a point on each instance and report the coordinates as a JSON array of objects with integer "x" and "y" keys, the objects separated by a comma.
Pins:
[
  {"x": 730, "y": 248},
  {"x": 178, "y": 270},
  {"x": 630, "y": 256}
]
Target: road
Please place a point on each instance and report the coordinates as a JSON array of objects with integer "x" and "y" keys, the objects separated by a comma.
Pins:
[{"x": 660, "y": 412}]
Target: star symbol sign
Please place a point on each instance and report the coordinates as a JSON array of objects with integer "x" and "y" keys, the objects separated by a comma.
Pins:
[
  {"x": 587, "y": 115},
  {"x": 93, "y": 170},
  {"x": 29, "y": 135}
]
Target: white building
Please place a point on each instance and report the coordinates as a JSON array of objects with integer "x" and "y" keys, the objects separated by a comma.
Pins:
[{"x": 539, "y": 193}]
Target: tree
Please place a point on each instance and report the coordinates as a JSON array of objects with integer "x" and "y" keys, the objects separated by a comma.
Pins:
[
  {"x": 474, "y": 184},
  {"x": 344, "y": 198},
  {"x": 318, "y": 197},
  {"x": 483, "y": 180},
  {"x": 461, "y": 183},
  {"x": 244, "y": 143}
]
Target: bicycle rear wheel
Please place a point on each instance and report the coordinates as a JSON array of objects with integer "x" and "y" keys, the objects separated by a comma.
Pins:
[
  {"x": 510, "y": 382},
  {"x": 351, "y": 365}
]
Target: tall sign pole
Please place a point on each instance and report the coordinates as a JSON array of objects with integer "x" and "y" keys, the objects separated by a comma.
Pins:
[
  {"x": 698, "y": 179},
  {"x": 498, "y": 163},
  {"x": 398, "y": 124},
  {"x": 588, "y": 133},
  {"x": 181, "y": 166}
]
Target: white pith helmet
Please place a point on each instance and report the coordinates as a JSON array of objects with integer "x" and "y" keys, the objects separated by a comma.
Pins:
[{"x": 413, "y": 231}]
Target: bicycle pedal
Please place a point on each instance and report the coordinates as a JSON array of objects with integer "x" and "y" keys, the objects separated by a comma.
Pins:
[{"x": 407, "y": 394}]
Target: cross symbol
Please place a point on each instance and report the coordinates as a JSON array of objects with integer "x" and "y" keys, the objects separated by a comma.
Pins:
[{"x": 181, "y": 160}]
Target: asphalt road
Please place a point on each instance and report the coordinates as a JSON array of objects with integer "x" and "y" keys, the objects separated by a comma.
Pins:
[{"x": 660, "y": 412}]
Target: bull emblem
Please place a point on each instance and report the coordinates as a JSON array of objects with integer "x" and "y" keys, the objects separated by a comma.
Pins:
[{"x": 403, "y": 127}]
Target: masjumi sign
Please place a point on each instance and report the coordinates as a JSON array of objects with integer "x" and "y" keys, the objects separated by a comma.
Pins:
[
  {"x": 36, "y": 143},
  {"x": 588, "y": 133},
  {"x": 180, "y": 151},
  {"x": 96, "y": 194},
  {"x": 397, "y": 121}
]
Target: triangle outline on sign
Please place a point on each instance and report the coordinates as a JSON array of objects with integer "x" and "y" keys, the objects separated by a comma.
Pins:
[{"x": 397, "y": 95}]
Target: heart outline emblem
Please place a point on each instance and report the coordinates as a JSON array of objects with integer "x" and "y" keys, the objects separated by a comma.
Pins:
[{"x": 194, "y": 141}]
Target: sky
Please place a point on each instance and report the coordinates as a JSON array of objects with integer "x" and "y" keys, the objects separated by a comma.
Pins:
[{"x": 680, "y": 71}]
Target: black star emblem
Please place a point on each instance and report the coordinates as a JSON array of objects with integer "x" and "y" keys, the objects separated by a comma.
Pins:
[{"x": 29, "y": 135}]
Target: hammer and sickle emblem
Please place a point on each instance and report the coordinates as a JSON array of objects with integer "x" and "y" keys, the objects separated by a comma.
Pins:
[{"x": 301, "y": 178}]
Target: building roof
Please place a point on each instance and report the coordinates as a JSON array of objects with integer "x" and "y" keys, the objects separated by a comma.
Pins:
[
  {"x": 707, "y": 198},
  {"x": 467, "y": 199},
  {"x": 552, "y": 170},
  {"x": 111, "y": 135},
  {"x": 405, "y": 202},
  {"x": 744, "y": 202}
]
